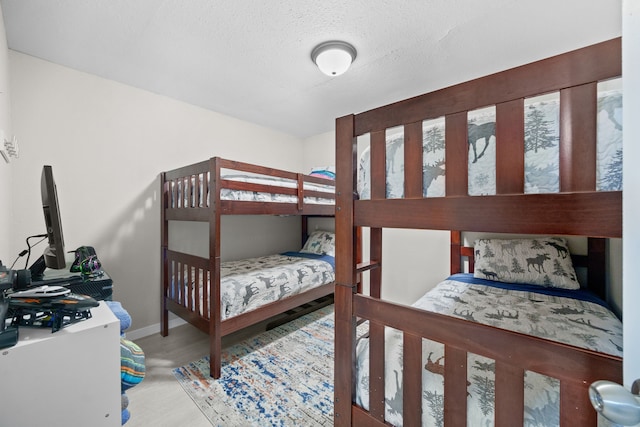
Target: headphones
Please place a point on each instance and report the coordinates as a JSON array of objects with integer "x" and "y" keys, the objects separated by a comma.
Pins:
[
  {"x": 86, "y": 261},
  {"x": 90, "y": 265}
]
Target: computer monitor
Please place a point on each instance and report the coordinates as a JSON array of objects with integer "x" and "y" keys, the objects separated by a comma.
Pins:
[{"x": 54, "y": 254}]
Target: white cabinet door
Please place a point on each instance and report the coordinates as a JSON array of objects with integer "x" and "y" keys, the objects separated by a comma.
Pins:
[{"x": 67, "y": 378}]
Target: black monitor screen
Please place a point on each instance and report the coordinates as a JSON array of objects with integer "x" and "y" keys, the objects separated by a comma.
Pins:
[{"x": 54, "y": 256}]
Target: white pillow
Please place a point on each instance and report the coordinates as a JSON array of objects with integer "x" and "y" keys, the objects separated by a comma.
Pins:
[
  {"x": 544, "y": 261},
  {"x": 321, "y": 243}
]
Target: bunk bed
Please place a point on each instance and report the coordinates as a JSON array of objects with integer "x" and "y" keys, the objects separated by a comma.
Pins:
[
  {"x": 218, "y": 297},
  {"x": 378, "y": 382}
]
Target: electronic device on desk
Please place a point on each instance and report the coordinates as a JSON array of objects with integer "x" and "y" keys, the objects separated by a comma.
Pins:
[
  {"x": 45, "y": 299},
  {"x": 41, "y": 292},
  {"x": 8, "y": 334},
  {"x": 49, "y": 307},
  {"x": 98, "y": 285},
  {"x": 85, "y": 276},
  {"x": 86, "y": 262},
  {"x": 54, "y": 255}
]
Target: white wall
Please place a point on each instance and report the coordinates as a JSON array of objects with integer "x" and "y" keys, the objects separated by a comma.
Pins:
[
  {"x": 6, "y": 188},
  {"x": 631, "y": 184},
  {"x": 107, "y": 143},
  {"x": 319, "y": 150}
]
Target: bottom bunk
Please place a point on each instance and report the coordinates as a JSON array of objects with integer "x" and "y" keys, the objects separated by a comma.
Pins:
[
  {"x": 250, "y": 290},
  {"x": 516, "y": 353},
  {"x": 578, "y": 320}
]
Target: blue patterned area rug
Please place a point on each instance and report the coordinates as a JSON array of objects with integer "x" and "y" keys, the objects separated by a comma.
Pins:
[{"x": 282, "y": 377}]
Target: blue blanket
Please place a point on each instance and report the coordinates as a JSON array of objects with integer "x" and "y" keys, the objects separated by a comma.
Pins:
[
  {"x": 579, "y": 294},
  {"x": 326, "y": 258}
]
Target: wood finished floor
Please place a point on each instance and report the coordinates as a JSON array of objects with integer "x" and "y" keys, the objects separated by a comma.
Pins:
[{"x": 159, "y": 400}]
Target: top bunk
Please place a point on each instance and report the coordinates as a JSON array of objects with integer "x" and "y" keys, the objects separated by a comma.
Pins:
[
  {"x": 225, "y": 187},
  {"x": 454, "y": 159}
]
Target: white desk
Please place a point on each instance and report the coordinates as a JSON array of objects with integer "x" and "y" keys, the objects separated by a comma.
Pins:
[{"x": 67, "y": 378}]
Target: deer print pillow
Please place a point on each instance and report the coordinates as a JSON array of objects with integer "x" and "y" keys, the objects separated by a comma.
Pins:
[
  {"x": 321, "y": 243},
  {"x": 544, "y": 261}
]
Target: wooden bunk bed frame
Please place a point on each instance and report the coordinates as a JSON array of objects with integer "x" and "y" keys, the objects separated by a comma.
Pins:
[
  {"x": 184, "y": 198},
  {"x": 576, "y": 210}
]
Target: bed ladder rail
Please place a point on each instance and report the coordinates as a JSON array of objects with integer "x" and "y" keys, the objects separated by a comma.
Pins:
[{"x": 367, "y": 265}]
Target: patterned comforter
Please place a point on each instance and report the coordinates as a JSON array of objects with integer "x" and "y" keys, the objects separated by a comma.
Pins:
[
  {"x": 255, "y": 196},
  {"x": 578, "y": 322},
  {"x": 542, "y": 133},
  {"x": 250, "y": 283}
]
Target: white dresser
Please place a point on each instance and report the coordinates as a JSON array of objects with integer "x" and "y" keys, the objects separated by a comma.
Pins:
[{"x": 67, "y": 378}]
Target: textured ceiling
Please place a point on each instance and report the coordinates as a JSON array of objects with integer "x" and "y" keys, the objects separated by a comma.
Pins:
[{"x": 250, "y": 59}]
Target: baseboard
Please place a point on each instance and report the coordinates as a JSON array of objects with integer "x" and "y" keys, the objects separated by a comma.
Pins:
[{"x": 152, "y": 329}]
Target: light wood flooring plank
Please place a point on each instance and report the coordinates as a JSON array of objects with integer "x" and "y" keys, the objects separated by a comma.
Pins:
[{"x": 159, "y": 400}]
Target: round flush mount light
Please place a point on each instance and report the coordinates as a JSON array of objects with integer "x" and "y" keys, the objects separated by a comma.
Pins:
[{"x": 333, "y": 58}]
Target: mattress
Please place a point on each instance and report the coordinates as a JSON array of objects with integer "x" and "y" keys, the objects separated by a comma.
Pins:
[
  {"x": 582, "y": 322},
  {"x": 188, "y": 198},
  {"x": 257, "y": 196},
  {"x": 251, "y": 283}
]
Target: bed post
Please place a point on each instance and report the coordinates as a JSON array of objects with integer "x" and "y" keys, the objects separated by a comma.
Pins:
[
  {"x": 215, "y": 332},
  {"x": 346, "y": 236},
  {"x": 379, "y": 192},
  {"x": 597, "y": 271},
  {"x": 456, "y": 243},
  {"x": 164, "y": 233},
  {"x": 304, "y": 230}
]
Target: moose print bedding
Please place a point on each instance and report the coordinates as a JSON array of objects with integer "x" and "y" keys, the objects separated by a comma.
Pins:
[
  {"x": 190, "y": 197},
  {"x": 257, "y": 196},
  {"x": 250, "y": 283},
  {"x": 541, "y": 143},
  {"x": 544, "y": 312}
]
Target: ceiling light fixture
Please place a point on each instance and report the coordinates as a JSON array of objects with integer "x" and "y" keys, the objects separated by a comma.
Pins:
[{"x": 333, "y": 58}]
